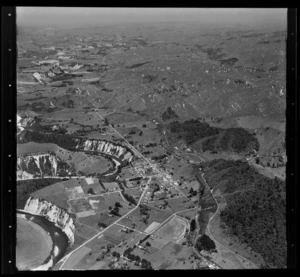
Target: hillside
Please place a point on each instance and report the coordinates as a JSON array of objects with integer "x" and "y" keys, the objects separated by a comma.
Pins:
[
  {"x": 257, "y": 217},
  {"x": 202, "y": 137}
]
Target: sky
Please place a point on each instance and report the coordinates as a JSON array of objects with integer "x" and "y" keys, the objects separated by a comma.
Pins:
[{"x": 69, "y": 16}]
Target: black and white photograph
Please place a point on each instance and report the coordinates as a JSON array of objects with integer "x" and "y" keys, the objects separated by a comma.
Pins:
[{"x": 151, "y": 138}]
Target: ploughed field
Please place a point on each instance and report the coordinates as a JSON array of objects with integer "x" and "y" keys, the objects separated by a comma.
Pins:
[{"x": 33, "y": 245}]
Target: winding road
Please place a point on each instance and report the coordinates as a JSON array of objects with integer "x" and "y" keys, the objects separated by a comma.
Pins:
[{"x": 211, "y": 235}]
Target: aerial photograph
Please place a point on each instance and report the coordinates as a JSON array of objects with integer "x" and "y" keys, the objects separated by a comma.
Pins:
[{"x": 151, "y": 138}]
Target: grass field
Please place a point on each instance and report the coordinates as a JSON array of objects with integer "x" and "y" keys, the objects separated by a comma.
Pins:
[
  {"x": 157, "y": 242},
  {"x": 80, "y": 205},
  {"x": 75, "y": 192},
  {"x": 95, "y": 186},
  {"x": 85, "y": 213},
  {"x": 174, "y": 205},
  {"x": 55, "y": 194},
  {"x": 94, "y": 164},
  {"x": 190, "y": 214},
  {"x": 98, "y": 203},
  {"x": 83, "y": 231},
  {"x": 173, "y": 256},
  {"x": 120, "y": 118},
  {"x": 84, "y": 162},
  {"x": 136, "y": 218},
  {"x": 173, "y": 229},
  {"x": 102, "y": 211},
  {"x": 224, "y": 240},
  {"x": 76, "y": 257},
  {"x": 179, "y": 204},
  {"x": 34, "y": 147},
  {"x": 151, "y": 227}
]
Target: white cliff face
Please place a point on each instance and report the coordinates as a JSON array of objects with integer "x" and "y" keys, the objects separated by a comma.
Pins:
[
  {"x": 107, "y": 148},
  {"x": 23, "y": 122},
  {"x": 53, "y": 213},
  {"x": 39, "y": 160}
]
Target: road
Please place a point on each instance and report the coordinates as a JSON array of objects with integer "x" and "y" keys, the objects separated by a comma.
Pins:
[
  {"x": 155, "y": 169},
  {"x": 143, "y": 193},
  {"x": 153, "y": 166},
  {"x": 211, "y": 235},
  {"x": 99, "y": 233}
]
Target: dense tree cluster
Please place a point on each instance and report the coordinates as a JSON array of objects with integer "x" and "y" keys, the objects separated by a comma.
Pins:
[
  {"x": 169, "y": 114},
  {"x": 115, "y": 210},
  {"x": 144, "y": 210},
  {"x": 239, "y": 140},
  {"x": 129, "y": 198},
  {"x": 26, "y": 187},
  {"x": 116, "y": 254},
  {"x": 205, "y": 243},
  {"x": 64, "y": 141},
  {"x": 193, "y": 192},
  {"x": 193, "y": 130},
  {"x": 209, "y": 144},
  {"x": 102, "y": 225},
  {"x": 91, "y": 191},
  {"x": 136, "y": 65},
  {"x": 143, "y": 262},
  {"x": 193, "y": 225},
  {"x": 159, "y": 158},
  {"x": 214, "y": 138},
  {"x": 258, "y": 216}
]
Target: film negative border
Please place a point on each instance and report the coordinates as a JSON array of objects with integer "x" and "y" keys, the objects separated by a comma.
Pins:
[
  {"x": 8, "y": 139},
  {"x": 291, "y": 138}
]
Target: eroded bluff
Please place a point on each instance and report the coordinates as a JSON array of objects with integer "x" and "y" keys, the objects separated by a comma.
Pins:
[
  {"x": 53, "y": 213},
  {"x": 106, "y": 147},
  {"x": 42, "y": 165}
]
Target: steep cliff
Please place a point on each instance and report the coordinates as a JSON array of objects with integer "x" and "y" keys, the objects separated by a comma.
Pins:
[
  {"x": 53, "y": 213},
  {"x": 105, "y": 147},
  {"x": 23, "y": 122},
  {"x": 72, "y": 143},
  {"x": 42, "y": 165}
]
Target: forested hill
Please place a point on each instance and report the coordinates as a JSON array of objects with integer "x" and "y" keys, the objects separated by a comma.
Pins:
[
  {"x": 256, "y": 207},
  {"x": 202, "y": 136}
]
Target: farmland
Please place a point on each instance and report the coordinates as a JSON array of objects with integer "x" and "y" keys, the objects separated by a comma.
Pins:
[{"x": 158, "y": 145}]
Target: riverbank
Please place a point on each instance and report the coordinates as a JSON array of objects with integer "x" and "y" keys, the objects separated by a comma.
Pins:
[{"x": 59, "y": 239}]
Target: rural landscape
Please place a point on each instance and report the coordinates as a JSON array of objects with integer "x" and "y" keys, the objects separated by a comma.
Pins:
[{"x": 151, "y": 146}]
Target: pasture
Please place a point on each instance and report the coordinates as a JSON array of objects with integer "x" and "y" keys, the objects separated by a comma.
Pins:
[
  {"x": 75, "y": 258},
  {"x": 174, "y": 205},
  {"x": 34, "y": 147},
  {"x": 55, "y": 194},
  {"x": 143, "y": 221},
  {"x": 173, "y": 230},
  {"x": 173, "y": 256},
  {"x": 80, "y": 205}
]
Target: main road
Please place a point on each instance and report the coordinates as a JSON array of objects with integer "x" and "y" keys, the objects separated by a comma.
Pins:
[
  {"x": 154, "y": 167},
  {"x": 99, "y": 233}
]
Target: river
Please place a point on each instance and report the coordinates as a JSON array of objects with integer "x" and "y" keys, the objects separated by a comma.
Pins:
[{"x": 59, "y": 238}]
